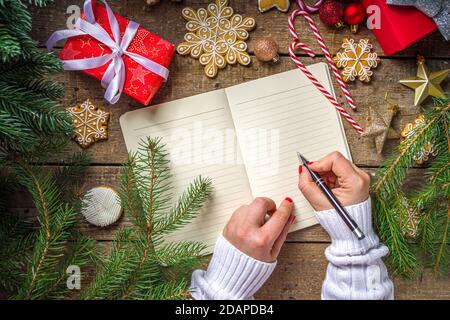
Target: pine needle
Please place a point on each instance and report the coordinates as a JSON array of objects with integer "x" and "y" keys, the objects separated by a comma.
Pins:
[
  {"x": 140, "y": 263},
  {"x": 430, "y": 202}
]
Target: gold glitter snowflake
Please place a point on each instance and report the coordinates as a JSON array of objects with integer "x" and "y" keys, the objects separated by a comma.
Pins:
[
  {"x": 356, "y": 60},
  {"x": 216, "y": 36},
  {"x": 90, "y": 123}
]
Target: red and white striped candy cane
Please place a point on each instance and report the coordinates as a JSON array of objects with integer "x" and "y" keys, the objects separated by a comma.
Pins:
[
  {"x": 297, "y": 44},
  {"x": 315, "y": 7}
]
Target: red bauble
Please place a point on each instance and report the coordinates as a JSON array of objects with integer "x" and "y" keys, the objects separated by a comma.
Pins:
[
  {"x": 354, "y": 13},
  {"x": 331, "y": 12}
]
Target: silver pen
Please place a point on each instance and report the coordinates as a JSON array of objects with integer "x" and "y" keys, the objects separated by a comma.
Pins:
[{"x": 333, "y": 200}]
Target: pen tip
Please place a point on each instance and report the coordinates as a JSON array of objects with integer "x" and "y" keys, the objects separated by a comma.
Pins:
[{"x": 301, "y": 158}]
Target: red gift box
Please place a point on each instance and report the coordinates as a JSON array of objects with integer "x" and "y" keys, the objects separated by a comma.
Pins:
[
  {"x": 140, "y": 83},
  {"x": 400, "y": 26}
]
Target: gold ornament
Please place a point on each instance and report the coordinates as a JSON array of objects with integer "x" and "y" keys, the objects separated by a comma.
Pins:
[
  {"x": 281, "y": 5},
  {"x": 266, "y": 49},
  {"x": 356, "y": 60},
  {"x": 410, "y": 130},
  {"x": 425, "y": 83},
  {"x": 216, "y": 36},
  {"x": 90, "y": 123},
  {"x": 380, "y": 129}
]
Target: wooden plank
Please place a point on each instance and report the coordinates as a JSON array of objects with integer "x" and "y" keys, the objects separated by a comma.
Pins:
[
  {"x": 301, "y": 269},
  {"x": 301, "y": 265},
  {"x": 166, "y": 21},
  {"x": 113, "y": 151},
  {"x": 110, "y": 176}
]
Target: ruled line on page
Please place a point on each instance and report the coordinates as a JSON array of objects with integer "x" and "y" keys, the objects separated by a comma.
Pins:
[{"x": 305, "y": 121}]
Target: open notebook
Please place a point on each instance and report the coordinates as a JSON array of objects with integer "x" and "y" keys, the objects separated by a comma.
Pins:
[{"x": 245, "y": 139}]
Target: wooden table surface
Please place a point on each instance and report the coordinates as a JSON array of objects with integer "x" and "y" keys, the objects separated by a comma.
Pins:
[{"x": 301, "y": 265}]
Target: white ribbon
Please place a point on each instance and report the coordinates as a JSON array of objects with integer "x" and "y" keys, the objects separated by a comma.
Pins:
[{"x": 114, "y": 77}]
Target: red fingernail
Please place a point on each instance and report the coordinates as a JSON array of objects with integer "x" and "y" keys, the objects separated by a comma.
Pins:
[
  {"x": 289, "y": 199},
  {"x": 300, "y": 169},
  {"x": 310, "y": 163}
]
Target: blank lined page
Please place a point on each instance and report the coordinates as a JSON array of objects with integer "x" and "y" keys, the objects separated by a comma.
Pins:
[
  {"x": 277, "y": 116},
  {"x": 199, "y": 135}
]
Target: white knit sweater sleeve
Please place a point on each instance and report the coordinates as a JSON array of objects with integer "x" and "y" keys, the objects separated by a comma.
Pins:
[
  {"x": 355, "y": 269},
  {"x": 231, "y": 275}
]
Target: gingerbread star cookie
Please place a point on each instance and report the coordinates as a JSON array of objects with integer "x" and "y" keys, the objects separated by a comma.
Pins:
[
  {"x": 282, "y": 5},
  {"x": 90, "y": 123},
  {"x": 356, "y": 60}
]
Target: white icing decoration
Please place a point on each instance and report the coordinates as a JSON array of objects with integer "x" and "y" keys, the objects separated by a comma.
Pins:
[{"x": 101, "y": 206}]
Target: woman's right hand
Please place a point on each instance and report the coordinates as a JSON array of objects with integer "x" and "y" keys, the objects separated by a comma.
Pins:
[{"x": 348, "y": 183}]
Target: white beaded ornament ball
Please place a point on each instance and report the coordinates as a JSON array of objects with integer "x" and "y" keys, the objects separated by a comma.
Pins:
[{"x": 101, "y": 206}]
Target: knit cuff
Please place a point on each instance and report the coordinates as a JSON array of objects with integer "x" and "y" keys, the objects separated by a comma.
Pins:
[
  {"x": 231, "y": 274},
  {"x": 343, "y": 241}
]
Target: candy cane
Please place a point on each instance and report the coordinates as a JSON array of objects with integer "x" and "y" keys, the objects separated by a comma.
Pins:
[
  {"x": 315, "y": 7},
  {"x": 297, "y": 44}
]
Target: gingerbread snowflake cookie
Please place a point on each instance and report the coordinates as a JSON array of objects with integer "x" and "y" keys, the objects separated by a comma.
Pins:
[
  {"x": 356, "y": 60},
  {"x": 216, "y": 36},
  {"x": 90, "y": 123}
]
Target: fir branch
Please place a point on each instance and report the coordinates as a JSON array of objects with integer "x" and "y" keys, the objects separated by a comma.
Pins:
[
  {"x": 401, "y": 258},
  {"x": 39, "y": 64},
  {"x": 397, "y": 166},
  {"x": 114, "y": 270},
  {"x": 130, "y": 196},
  {"x": 173, "y": 254},
  {"x": 81, "y": 253},
  {"x": 17, "y": 239},
  {"x": 441, "y": 257},
  {"x": 38, "y": 193},
  {"x": 28, "y": 113},
  {"x": 9, "y": 44},
  {"x": 187, "y": 207},
  {"x": 55, "y": 220},
  {"x": 151, "y": 154},
  {"x": 41, "y": 3},
  {"x": 390, "y": 205},
  {"x": 68, "y": 177},
  {"x": 169, "y": 291},
  {"x": 137, "y": 267},
  {"x": 153, "y": 179}
]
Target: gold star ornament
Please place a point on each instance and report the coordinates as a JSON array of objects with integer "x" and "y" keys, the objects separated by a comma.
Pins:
[
  {"x": 380, "y": 128},
  {"x": 425, "y": 83}
]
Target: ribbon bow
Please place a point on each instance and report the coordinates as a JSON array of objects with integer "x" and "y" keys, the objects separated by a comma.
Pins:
[
  {"x": 438, "y": 10},
  {"x": 114, "y": 77}
]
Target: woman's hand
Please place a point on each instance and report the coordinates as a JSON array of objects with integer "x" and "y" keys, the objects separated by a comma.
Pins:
[
  {"x": 249, "y": 231},
  {"x": 348, "y": 183}
]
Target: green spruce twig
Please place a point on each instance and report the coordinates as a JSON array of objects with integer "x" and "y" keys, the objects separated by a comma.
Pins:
[
  {"x": 140, "y": 263},
  {"x": 431, "y": 201}
]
